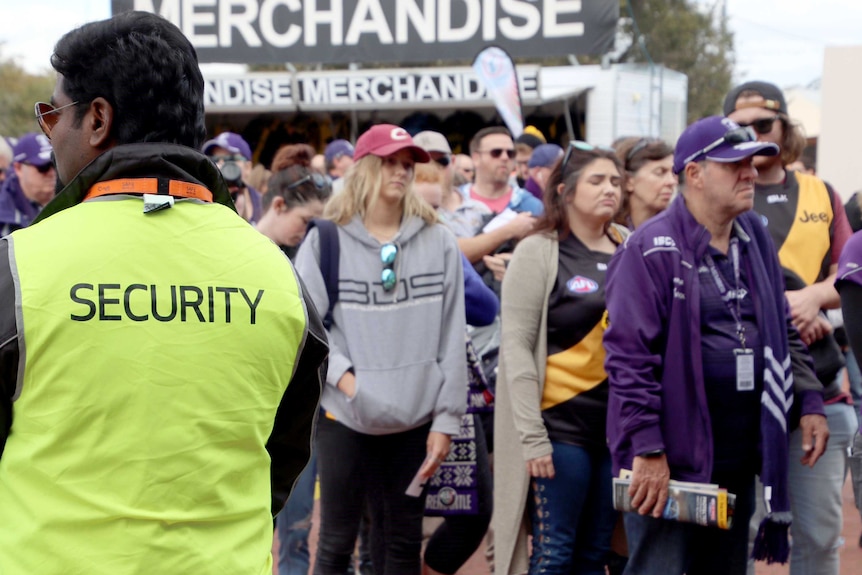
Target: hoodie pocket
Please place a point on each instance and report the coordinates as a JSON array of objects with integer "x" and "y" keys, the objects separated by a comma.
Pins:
[{"x": 396, "y": 400}]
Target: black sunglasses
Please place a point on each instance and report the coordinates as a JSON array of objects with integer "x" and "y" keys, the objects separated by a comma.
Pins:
[
  {"x": 316, "y": 179},
  {"x": 497, "y": 152},
  {"x": 43, "y": 169},
  {"x": 444, "y": 161},
  {"x": 387, "y": 258},
  {"x": 733, "y": 137},
  {"x": 763, "y": 125}
]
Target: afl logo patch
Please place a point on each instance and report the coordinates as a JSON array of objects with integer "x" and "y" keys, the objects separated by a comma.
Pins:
[{"x": 582, "y": 285}]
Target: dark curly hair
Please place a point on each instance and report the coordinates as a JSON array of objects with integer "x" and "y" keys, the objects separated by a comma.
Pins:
[{"x": 147, "y": 71}]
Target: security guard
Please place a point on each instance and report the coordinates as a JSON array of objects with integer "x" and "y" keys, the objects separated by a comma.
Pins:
[{"x": 160, "y": 364}]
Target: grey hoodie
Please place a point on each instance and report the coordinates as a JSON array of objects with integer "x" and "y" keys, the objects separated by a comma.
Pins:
[{"x": 406, "y": 347}]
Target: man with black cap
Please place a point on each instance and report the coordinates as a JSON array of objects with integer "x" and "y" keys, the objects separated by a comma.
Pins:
[
  {"x": 809, "y": 226},
  {"x": 704, "y": 363},
  {"x": 162, "y": 407},
  {"x": 31, "y": 185}
]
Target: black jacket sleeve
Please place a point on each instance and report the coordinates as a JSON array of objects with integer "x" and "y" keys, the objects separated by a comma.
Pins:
[
  {"x": 289, "y": 445},
  {"x": 851, "y": 307},
  {"x": 8, "y": 344}
]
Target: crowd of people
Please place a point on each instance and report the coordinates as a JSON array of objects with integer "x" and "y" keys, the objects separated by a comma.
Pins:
[{"x": 465, "y": 351}]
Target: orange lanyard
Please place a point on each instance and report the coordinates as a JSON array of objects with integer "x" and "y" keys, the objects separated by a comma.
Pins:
[{"x": 150, "y": 186}]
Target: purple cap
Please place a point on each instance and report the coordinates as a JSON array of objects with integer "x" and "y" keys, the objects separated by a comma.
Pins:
[
  {"x": 709, "y": 133},
  {"x": 337, "y": 148},
  {"x": 544, "y": 156},
  {"x": 231, "y": 142},
  {"x": 34, "y": 149}
]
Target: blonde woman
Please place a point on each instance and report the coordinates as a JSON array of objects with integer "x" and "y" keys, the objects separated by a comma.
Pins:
[{"x": 396, "y": 378}]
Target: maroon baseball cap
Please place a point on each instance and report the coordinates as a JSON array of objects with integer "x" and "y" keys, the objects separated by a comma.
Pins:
[{"x": 384, "y": 140}]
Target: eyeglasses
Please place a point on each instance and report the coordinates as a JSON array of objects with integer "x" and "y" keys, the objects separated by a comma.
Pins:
[
  {"x": 497, "y": 152},
  {"x": 46, "y": 116},
  {"x": 735, "y": 136},
  {"x": 43, "y": 169},
  {"x": 640, "y": 145},
  {"x": 763, "y": 125},
  {"x": 316, "y": 179},
  {"x": 387, "y": 257},
  {"x": 444, "y": 160},
  {"x": 228, "y": 158}
]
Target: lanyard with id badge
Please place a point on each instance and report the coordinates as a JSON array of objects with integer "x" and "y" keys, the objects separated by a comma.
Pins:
[{"x": 744, "y": 355}]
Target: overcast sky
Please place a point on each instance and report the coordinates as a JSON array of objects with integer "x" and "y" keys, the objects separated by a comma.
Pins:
[{"x": 776, "y": 40}]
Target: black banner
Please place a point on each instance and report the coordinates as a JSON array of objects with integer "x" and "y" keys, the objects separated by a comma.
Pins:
[{"x": 406, "y": 31}]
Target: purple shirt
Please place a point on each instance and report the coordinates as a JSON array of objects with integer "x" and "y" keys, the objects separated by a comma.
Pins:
[{"x": 850, "y": 262}]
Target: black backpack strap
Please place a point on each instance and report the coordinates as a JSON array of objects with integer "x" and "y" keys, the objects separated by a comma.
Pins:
[{"x": 329, "y": 254}]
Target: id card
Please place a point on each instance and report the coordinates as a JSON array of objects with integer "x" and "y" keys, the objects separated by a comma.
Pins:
[{"x": 744, "y": 369}]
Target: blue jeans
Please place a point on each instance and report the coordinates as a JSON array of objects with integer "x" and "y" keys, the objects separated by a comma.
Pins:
[
  {"x": 294, "y": 523},
  {"x": 815, "y": 496},
  {"x": 573, "y": 514},
  {"x": 662, "y": 547}
]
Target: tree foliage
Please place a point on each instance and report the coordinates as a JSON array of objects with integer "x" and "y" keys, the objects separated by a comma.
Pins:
[
  {"x": 20, "y": 90},
  {"x": 687, "y": 37}
]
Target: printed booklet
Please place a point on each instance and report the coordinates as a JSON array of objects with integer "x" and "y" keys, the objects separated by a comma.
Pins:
[{"x": 701, "y": 503}]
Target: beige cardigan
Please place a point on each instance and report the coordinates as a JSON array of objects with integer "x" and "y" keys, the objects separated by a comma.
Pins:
[{"x": 519, "y": 433}]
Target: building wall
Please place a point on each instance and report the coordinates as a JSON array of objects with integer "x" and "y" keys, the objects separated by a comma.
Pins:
[
  {"x": 619, "y": 104},
  {"x": 841, "y": 119}
]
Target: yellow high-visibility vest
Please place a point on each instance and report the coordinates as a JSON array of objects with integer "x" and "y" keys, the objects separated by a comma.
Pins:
[{"x": 154, "y": 352}]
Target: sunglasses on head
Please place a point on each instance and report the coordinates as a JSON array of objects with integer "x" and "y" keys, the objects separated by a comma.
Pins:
[
  {"x": 443, "y": 161},
  {"x": 43, "y": 169},
  {"x": 582, "y": 146},
  {"x": 640, "y": 145},
  {"x": 317, "y": 180},
  {"x": 763, "y": 125},
  {"x": 387, "y": 258},
  {"x": 46, "y": 115},
  {"x": 497, "y": 152},
  {"x": 733, "y": 137}
]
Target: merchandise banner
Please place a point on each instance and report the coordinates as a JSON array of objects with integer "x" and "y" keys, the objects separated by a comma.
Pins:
[
  {"x": 402, "y": 31},
  {"x": 409, "y": 88}
]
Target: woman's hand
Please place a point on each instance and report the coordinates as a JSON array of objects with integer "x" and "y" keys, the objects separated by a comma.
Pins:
[
  {"x": 541, "y": 467},
  {"x": 347, "y": 384},
  {"x": 437, "y": 449}
]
